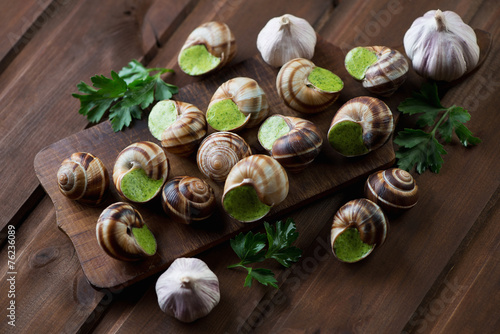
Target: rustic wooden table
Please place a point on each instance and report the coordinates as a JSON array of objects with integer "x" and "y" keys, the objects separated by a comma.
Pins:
[{"x": 439, "y": 270}]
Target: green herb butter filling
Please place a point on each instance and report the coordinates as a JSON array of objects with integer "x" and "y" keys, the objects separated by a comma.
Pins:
[
  {"x": 138, "y": 187},
  {"x": 163, "y": 115},
  {"x": 243, "y": 204},
  {"x": 145, "y": 239},
  {"x": 347, "y": 138},
  {"x": 225, "y": 116},
  {"x": 325, "y": 80},
  {"x": 196, "y": 60},
  {"x": 358, "y": 60},
  {"x": 349, "y": 247},
  {"x": 272, "y": 129}
]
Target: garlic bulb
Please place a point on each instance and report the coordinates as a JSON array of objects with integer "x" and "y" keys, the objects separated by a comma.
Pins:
[
  {"x": 188, "y": 289},
  {"x": 441, "y": 46},
  {"x": 285, "y": 38}
]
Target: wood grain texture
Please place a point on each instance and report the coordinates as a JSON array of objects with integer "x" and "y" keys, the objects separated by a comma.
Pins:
[
  {"x": 19, "y": 22},
  {"x": 52, "y": 294},
  {"x": 79, "y": 41},
  {"x": 329, "y": 172}
]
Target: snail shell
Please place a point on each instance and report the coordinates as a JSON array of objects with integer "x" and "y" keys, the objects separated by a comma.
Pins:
[
  {"x": 264, "y": 174},
  {"x": 145, "y": 155},
  {"x": 394, "y": 190},
  {"x": 299, "y": 147},
  {"x": 184, "y": 135},
  {"x": 365, "y": 216},
  {"x": 374, "y": 117},
  {"x": 114, "y": 232},
  {"x": 219, "y": 152},
  {"x": 83, "y": 177},
  {"x": 218, "y": 39},
  {"x": 298, "y": 92},
  {"x": 248, "y": 96},
  {"x": 188, "y": 199},
  {"x": 388, "y": 73}
]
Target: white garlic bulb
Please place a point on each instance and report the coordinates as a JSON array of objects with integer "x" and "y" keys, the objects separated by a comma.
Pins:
[
  {"x": 285, "y": 38},
  {"x": 441, "y": 46},
  {"x": 188, "y": 289}
]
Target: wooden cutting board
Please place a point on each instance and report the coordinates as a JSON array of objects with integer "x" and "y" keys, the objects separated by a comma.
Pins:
[{"x": 328, "y": 173}]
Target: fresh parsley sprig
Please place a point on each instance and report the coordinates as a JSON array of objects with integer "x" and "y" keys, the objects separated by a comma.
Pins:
[
  {"x": 126, "y": 94},
  {"x": 251, "y": 248},
  {"x": 421, "y": 149}
]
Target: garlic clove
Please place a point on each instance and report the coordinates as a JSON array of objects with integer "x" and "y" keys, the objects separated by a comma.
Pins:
[
  {"x": 441, "y": 46},
  {"x": 285, "y": 38},
  {"x": 188, "y": 289}
]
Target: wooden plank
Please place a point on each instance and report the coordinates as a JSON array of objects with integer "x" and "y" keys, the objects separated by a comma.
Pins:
[
  {"x": 19, "y": 22},
  {"x": 329, "y": 172},
  {"x": 51, "y": 293},
  {"x": 37, "y": 85},
  {"x": 466, "y": 299}
]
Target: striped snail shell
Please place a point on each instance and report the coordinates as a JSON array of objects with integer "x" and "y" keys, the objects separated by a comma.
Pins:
[
  {"x": 369, "y": 223},
  {"x": 83, "y": 177},
  {"x": 188, "y": 199},
  {"x": 388, "y": 73},
  {"x": 183, "y": 136},
  {"x": 248, "y": 96},
  {"x": 360, "y": 126},
  {"x": 299, "y": 147},
  {"x": 219, "y": 152},
  {"x": 394, "y": 190},
  {"x": 115, "y": 233},
  {"x": 265, "y": 176},
  {"x": 145, "y": 156},
  {"x": 298, "y": 92},
  {"x": 217, "y": 38}
]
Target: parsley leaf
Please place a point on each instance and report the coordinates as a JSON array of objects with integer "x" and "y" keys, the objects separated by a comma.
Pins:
[
  {"x": 263, "y": 276},
  {"x": 421, "y": 149},
  {"x": 280, "y": 240},
  {"x": 125, "y": 95},
  {"x": 250, "y": 248}
]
